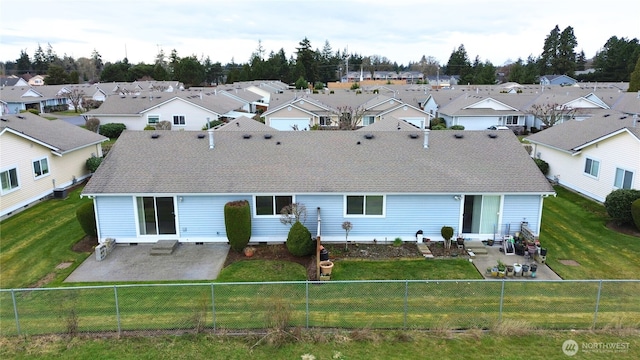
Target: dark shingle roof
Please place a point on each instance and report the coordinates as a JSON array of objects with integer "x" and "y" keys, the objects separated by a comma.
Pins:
[
  {"x": 181, "y": 162},
  {"x": 59, "y": 135}
]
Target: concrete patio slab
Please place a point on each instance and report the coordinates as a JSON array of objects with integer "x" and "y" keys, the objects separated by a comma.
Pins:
[
  {"x": 482, "y": 262},
  {"x": 135, "y": 263}
]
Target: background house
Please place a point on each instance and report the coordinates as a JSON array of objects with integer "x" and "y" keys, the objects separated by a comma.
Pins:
[
  {"x": 593, "y": 156},
  {"x": 39, "y": 155}
]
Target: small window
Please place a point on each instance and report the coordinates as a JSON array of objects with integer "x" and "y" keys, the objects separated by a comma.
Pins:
[
  {"x": 368, "y": 120},
  {"x": 367, "y": 205},
  {"x": 511, "y": 120},
  {"x": 325, "y": 120},
  {"x": 591, "y": 167},
  {"x": 271, "y": 205},
  {"x": 40, "y": 167},
  {"x": 624, "y": 179},
  {"x": 153, "y": 119},
  {"x": 9, "y": 180},
  {"x": 178, "y": 120}
]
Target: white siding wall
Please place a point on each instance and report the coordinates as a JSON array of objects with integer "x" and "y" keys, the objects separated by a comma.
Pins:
[
  {"x": 195, "y": 118},
  {"x": 622, "y": 150}
]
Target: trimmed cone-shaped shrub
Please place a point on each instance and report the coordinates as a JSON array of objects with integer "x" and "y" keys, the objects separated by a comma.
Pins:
[
  {"x": 635, "y": 212},
  {"x": 446, "y": 232},
  {"x": 542, "y": 165},
  {"x": 299, "y": 241},
  {"x": 87, "y": 218},
  {"x": 618, "y": 204},
  {"x": 237, "y": 222}
]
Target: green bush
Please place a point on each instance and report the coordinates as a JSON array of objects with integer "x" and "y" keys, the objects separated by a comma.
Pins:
[
  {"x": 149, "y": 127},
  {"x": 355, "y": 86},
  {"x": 299, "y": 241},
  {"x": 237, "y": 222},
  {"x": 542, "y": 165},
  {"x": 446, "y": 232},
  {"x": 93, "y": 163},
  {"x": 618, "y": 204},
  {"x": 87, "y": 218},
  {"x": 212, "y": 124},
  {"x": 113, "y": 130},
  {"x": 34, "y": 111},
  {"x": 635, "y": 213},
  {"x": 436, "y": 122},
  {"x": 439, "y": 127},
  {"x": 457, "y": 127}
]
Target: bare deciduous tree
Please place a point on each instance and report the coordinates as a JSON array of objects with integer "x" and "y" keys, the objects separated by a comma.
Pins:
[
  {"x": 75, "y": 98},
  {"x": 350, "y": 118},
  {"x": 552, "y": 113},
  {"x": 293, "y": 213}
]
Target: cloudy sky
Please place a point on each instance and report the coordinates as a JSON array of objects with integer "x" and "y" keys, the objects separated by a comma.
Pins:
[{"x": 400, "y": 30}]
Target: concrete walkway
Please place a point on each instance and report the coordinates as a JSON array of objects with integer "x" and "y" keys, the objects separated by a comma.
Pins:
[
  {"x": 482, "y": 262},
  {"x": 135, "y": 263}
]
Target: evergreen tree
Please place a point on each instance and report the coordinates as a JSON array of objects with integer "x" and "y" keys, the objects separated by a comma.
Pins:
[
  {"x": 55, "y": 75},
  {"x": 305, "y": 64},
  {"x": 39, "y": 61},
  {"x": 23, "y": 64},
  {"x": 634, "y": 82},
  {"x": 617, "y": 59},
  {"x": 459, "y": 64}
]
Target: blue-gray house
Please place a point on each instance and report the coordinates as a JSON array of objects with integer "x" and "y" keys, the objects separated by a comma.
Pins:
[{"x": 388, "y": 180}]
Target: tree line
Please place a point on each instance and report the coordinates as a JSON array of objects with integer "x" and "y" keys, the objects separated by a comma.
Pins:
[{"x": 613, "y": 63}]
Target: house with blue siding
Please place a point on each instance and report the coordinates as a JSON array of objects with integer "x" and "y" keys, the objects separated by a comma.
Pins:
[{"x": 389, "y": 179}]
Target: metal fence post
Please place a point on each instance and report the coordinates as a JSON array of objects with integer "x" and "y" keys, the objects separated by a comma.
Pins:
[
  {"x": 115, "y": 293},
  {"x": 307, "y": 300},
  {"x": 406, "y": 303},
  {"x": 501, "y": 301},
  {"x": 595, "y": 313},
  {"x": 213, "y": 306},
  {"x": 15, "y": 310}
]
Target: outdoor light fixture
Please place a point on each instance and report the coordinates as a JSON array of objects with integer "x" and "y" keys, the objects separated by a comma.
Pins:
[{"x": 457, "y": 197}]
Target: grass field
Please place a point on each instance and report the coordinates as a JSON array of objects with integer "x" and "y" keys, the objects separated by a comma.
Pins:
[
  {"x": 574, "y": 228},
  {"x": 512, "y": 342}
]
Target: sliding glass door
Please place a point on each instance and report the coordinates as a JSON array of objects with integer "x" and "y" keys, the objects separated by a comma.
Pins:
[{"x": 156, "y": 215}]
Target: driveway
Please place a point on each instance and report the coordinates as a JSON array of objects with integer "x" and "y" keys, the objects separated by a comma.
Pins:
[{"x": 134, "y": 263}]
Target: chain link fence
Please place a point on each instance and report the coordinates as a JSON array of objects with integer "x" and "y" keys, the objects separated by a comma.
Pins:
[{"x": 244, "y": 307}]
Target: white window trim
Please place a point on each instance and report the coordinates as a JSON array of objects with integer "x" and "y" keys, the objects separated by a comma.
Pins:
[
  {"x": 153, "y": 115},
  {"x": 584, "y": 163},
  {"x": 173, "y": 118},
  {"x": 6, "y": 169},
  {"x": 633, "y": 175},
  {"x": 384, "y": 206},
  {"x": 36, "y": 177},
  {"x": 277, "y": 214}
]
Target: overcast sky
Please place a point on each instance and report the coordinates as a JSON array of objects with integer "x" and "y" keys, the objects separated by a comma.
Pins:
[{"x": 400, "y": 30}]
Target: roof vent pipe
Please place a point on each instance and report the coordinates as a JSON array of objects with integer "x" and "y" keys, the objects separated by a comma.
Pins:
[
  {"x": 426, "y": 138},
  {"x": 210, "y": 138}
]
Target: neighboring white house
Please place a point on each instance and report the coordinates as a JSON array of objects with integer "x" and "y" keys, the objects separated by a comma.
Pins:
[
  {"x": 593, "y": 156},
  {"x": 39, "y": 155}
]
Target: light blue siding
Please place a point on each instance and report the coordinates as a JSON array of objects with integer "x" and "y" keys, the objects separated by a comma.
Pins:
[
  {"x": 518, "y": 208},
  {"x": 116, "y": 216},
  {"x": 203, "y": 216}
]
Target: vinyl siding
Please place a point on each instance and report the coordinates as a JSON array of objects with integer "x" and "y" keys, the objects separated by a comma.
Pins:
[
  {"x": 518, "y": 208},
  {"x": 116, "y": 218}
]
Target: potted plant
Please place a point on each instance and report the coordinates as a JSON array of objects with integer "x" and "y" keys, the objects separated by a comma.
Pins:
[
  {"x": 501, "y": 269},
  {"x": 490, "y": 242},
  {"x": 510, "y": 270},
  {"x": 249, "y": 251}
]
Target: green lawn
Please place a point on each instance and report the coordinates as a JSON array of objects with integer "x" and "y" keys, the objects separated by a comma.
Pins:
[
  {"x": 36, "y": 240},
  {"x": 574, "y": 228}
]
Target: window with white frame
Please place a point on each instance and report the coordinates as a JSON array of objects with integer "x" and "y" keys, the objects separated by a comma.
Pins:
[
  {"x": 9, "y": 180},
  {"x": 364, "y": 205},
  {"x": 325, "y": 120},
  {"x": 270, "y": 205},
  {"x": 591, "y": 167},
  {"x": 368, "y": 120},
  {"x": 624, "y": 179},
  {"x": 40, "y": 167},
  {"x": 178, "y": 120},
  {"x": 511, "y": 120},
  {"x": 153, "y": 119}
]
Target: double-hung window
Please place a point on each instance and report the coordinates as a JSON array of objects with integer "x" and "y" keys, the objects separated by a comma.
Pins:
[
  {"x": 624, "y": 179},
  {"x": 40, "y": 167},
  {"x": 9, "y": 180},
  {"x": 364, "y": 205},
  {"x": 270, "y": 205},
  {"x": 178, "y": 120},
  {"x": 368, "y": 120},
  {"x": 591, "y": 167},
  {"x": 153, "y": 119}
]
